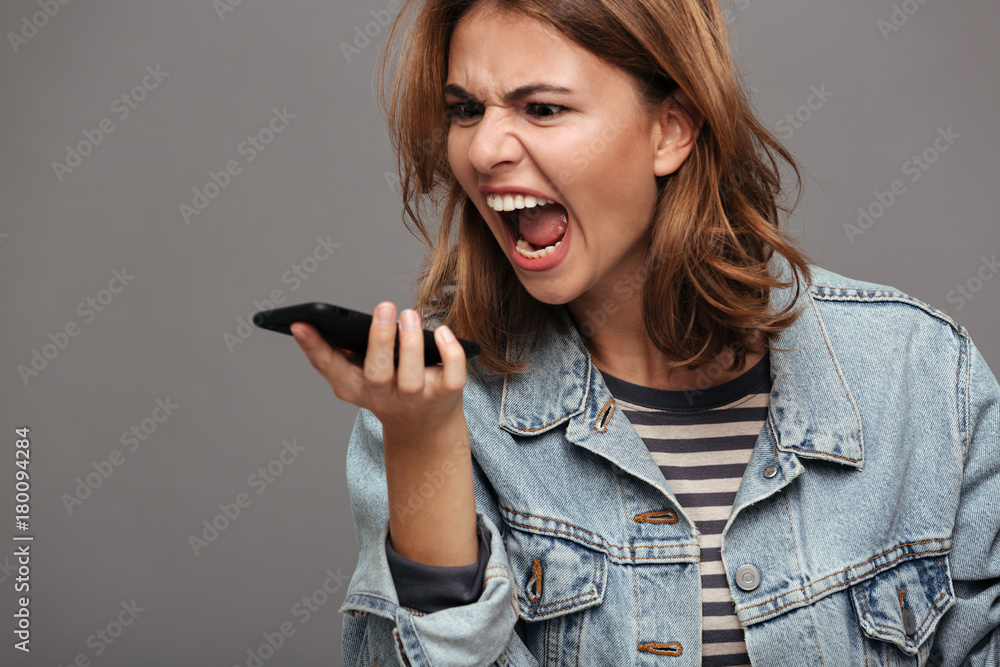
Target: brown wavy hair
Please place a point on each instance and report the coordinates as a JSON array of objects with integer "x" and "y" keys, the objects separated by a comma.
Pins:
[{"x": 715, "y": 227}]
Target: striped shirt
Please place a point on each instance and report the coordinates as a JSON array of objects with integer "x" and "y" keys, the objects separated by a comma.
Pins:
[{"x": 702, "y": 441}]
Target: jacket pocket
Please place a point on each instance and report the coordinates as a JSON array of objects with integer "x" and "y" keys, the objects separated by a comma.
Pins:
[
  {"x": 553, "y": 575},
  {"x": 902, "y": 605}
]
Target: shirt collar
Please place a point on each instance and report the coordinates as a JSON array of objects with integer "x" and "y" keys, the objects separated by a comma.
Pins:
[{"x": 810, "y": 404}]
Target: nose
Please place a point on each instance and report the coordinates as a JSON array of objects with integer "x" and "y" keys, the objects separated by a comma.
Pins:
[{"x": 494, "y": 141}]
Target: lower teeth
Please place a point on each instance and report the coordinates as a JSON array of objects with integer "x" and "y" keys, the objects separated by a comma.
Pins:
[{"x": 524, "y": 249}]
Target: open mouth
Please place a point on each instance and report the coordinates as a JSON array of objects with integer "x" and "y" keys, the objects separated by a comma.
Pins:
[{"x": 538, "y": 230}]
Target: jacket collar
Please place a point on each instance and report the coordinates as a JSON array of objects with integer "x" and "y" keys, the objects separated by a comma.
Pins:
[{"x": 810, "y": 404}]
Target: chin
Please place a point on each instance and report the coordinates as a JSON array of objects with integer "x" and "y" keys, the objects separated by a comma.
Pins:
[{"x": 549, "y": 294}]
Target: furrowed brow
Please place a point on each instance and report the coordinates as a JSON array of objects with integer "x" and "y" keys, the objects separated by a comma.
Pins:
[{"x": 515, "y": 95}]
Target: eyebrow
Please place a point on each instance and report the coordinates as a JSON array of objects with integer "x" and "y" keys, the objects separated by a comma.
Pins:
[{"x": 515, "y": 95}]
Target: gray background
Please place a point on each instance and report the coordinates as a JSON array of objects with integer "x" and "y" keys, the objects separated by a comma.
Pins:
[{"x": 324, "y": 175}]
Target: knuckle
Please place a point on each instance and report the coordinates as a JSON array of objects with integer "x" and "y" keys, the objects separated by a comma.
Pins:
[
  {"x": 454, "y": 385},
  {"x": 412, "y": 341},
  {"x": 374, "y": 375},
  {"x": 378, "y": 362},
  {"x": 453, "y": 362},
  {"x": 410, "y": 388},
  {"x": 453, "y": 352},
  {"x": 384, "y": 331}
]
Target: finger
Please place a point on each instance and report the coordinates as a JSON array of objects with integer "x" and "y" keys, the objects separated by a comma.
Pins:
[
  {"x": 410, "y": 374},
  {"x": 453, "y": 377},
  {"x": 379, "y": 369},
  {"x": 332, "y": 364}
]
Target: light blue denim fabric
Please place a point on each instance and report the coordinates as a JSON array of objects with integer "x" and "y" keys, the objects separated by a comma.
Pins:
[{"x": 884, "y": 427}]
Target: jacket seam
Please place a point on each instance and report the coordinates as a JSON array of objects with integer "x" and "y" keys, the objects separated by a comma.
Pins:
[
  {"x": 638, "y": 628},
  {"x": 966, "y": 361},
  {"x": 554, "y": 421},
  {"x": 565, "y": 600},
  {"x": 774, "y": 432},
  {"x": 824, "y": 454},
  {"x": 884, "y": 295},
  {"x": 846, "y": 581},
  {"x": 579, "y": 637},
  {"x": 501, "y": 571},
  {"x": 545, "y": 657},
  {"x": 421, "y": 645},
  {"x": 373, "y": 595},
  {"x": 600, "y": 545},
  {"x": 843, "y": 384},
  {"x": 798, "y": 566},
  {"x": 882, "y": 567},
  {"x": 942, "y": 579},
  {"x": 893, "y": 630}
]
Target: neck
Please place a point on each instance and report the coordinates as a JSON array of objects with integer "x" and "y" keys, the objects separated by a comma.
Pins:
[{"x": 619, "y": 345}]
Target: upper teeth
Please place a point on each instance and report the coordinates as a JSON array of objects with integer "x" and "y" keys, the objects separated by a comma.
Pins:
[{"x": 511, "y": 202}]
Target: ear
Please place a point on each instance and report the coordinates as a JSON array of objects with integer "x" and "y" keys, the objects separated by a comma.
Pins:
[{"x": 674, "y": 132}]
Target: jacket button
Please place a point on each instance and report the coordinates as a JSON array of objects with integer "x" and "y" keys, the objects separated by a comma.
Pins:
[
  {"x": 747, "y": 577},
  {"x": 909, "y": 622},
  {"x": 770, "y": 471}
]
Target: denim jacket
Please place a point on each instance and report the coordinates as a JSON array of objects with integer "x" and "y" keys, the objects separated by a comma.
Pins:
[{"x": 875, "y": 541}]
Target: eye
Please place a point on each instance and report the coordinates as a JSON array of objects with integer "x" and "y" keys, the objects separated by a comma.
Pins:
[
  {"x": 551, "y": 110},
  {"x": 463, "y": 110}
]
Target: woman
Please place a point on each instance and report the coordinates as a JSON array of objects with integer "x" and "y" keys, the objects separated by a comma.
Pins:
[{"x": 682, "y": 444}]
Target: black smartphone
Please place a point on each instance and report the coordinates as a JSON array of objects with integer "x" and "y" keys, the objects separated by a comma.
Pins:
[{"x": 345, "y": 329}]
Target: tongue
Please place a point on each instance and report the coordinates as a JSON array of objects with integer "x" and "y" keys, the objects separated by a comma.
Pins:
[{"x": 543, "y": 225}]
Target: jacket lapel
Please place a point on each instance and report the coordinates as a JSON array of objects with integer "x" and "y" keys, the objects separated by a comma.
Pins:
[{"x": 811, "y": 407}]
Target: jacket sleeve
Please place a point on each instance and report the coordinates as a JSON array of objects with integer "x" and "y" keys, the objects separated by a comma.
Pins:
[
  {"x": 377, "y": 629},
  {"x": 969, "y": 633}
]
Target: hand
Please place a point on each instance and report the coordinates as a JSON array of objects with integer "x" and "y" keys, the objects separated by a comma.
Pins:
[{"x": 406, "y": 398}]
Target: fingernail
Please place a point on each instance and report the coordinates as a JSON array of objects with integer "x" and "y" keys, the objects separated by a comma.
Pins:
[
  {"x": 446, "y": 334},
  {"x": 383, "y": 314},
  {"x": 299, "y": 333},
  {"x": 409, "y": 319}
]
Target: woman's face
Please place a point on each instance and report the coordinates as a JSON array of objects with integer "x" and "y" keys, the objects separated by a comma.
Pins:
[{"x": 589, "y": 147}]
